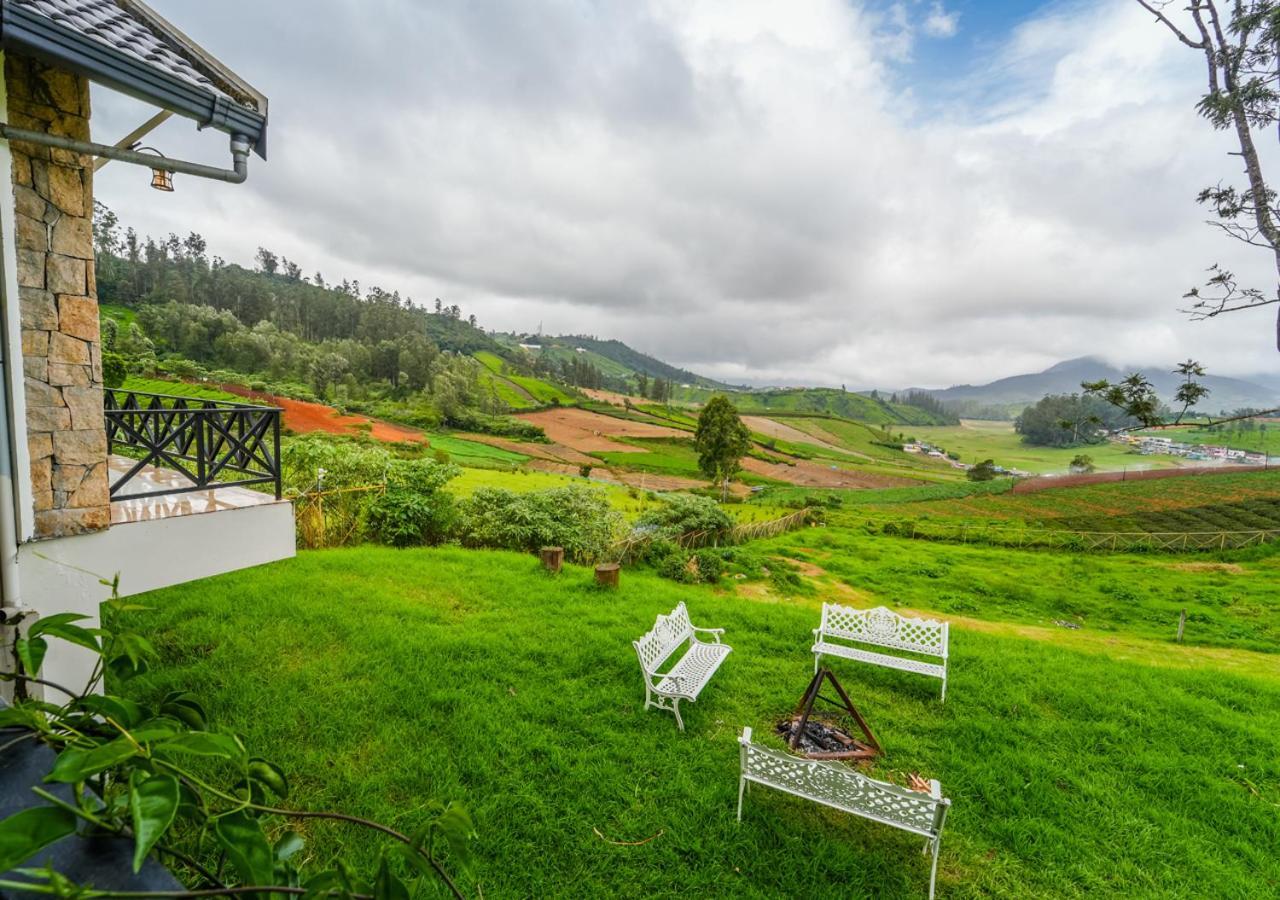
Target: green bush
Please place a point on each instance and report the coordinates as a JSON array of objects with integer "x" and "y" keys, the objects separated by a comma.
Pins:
[
  {"x": 577, "y": 518},
  {"x": 675, "y": 565},
  {"x": 710, "y": 565},
  {"x": 413, "y": 510},
  {"x": 114, "y": 370},
  {"x": 685, "y": 514}
]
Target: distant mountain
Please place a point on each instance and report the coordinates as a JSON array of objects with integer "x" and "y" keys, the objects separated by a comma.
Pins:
[{"x": 1064, "y": 378}]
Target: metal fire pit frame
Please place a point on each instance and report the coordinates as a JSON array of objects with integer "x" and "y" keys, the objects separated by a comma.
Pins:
[{"x": 860, "y": 750}]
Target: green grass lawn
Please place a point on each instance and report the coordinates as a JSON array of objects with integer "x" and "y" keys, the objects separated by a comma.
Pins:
[
  {"x": 474, "y": 453},
  {"x": 1096, "y": 501},
  {"x": 1103, "y": 762},
  {"x": 977, "y": 440},
  {"x": 123, "y": 315},
  {"x": 178, "y": 389}
]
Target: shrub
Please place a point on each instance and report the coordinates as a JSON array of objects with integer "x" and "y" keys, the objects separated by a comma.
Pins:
[
  {"x": 710, "y": 565},
  {"x": 114, "y": 370},
  {"x": 577, "y": 518},
  {"x": 685, "y": 514},
  {"x": 983, "y": 471},
  {"x": 413, "y": 510},
  {"x": 675, "y": 565}
]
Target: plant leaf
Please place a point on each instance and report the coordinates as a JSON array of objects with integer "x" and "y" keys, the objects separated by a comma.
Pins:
[
  {"x": 74, "y": 634},
  {"x": 269, "y": 776},
  {"x": 31, "y": 653},
  {"x": 45, "y": 623},
  {"x": 247, "y": 849},
  {"x": 153, "y": 804},
  {"x": 75, "y": 764},
  {"x": 125, "y": 712},
  {"x": 386, "y": 886},
  {"x": 24, "y": 834},
  {"x": 289, "y": 844},
  {"x": 203, "y": 743}
]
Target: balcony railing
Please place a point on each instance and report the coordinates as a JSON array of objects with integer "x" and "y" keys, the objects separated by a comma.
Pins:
[{"x": 210, "y": 443}]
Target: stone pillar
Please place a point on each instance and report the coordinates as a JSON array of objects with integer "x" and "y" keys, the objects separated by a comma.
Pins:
[{"x": 61, "y": 349}]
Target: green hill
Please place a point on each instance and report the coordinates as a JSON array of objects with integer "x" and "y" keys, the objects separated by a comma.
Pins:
[{"x": 835, "y": 402}]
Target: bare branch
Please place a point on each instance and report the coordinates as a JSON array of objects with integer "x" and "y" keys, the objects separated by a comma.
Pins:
[{"x": 1168, "y": 23}]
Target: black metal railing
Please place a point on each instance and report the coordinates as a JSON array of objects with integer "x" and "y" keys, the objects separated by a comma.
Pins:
[{"x": 209, "y": 443}]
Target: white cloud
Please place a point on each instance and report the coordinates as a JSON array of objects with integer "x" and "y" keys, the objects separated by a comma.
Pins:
[
  {"x": 939, "y": 23},
  {"x": 736, "y": 188}
]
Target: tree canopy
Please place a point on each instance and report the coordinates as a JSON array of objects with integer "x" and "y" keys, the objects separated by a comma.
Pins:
[{"x": 721, "y": 439}]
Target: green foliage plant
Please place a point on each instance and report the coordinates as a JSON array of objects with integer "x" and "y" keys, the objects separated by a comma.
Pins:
[{"x": 414, "y": 509}]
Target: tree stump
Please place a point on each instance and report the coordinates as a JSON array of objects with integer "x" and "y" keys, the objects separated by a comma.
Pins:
[
  {"x": 552, "y": 558},
  {"x": 607, "y": 574}
]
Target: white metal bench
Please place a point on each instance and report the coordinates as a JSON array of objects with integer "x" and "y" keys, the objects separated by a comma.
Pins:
[
  {"x": 686, "y": 679},
  {"x": 845, "y": 789},
  {"x": 884, "y": 628}
]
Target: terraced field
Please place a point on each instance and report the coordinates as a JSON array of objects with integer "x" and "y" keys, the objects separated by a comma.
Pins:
[{"x": 1115, "y": 502}]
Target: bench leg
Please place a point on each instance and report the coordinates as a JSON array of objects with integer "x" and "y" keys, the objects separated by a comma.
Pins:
[
  {"x": 933, "y": 872},
  {"x": 742, "y": 783},
  {"x": 817, "y": 658},
  {"x": 675, "y": 708},
  {"x": 944, "y": 687}
]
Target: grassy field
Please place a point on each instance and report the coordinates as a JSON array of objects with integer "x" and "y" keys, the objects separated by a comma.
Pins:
[
  {"x": 977, "y": 440},
  {"x": 123, "y": 316},
  {"x": 177, "y": 389},
  {"x": 1263, "y": 438},
  {"x": 1099, "y": 501},
  {"x": 474, "y": 453},
  {"x": 1100, "y": 762}
]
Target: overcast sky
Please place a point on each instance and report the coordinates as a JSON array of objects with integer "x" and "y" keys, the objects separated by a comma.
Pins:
[{"x": 920, "y": 192}]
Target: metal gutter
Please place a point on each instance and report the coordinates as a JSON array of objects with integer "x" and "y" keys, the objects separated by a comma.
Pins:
[
  {"x": 236, "y": 175},
  {"x": 29, "y": 32}
]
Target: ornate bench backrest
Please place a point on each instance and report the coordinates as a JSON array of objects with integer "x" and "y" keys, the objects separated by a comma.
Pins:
[
  {"x": 669, "y": 632},
  {"x": 843, "y": 788},
  {"x": 886, "y": 628}
]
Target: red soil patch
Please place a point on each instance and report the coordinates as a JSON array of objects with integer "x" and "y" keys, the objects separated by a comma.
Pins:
[
  {"x": 303, "y": 417},
  {"x": 1044, "y": 483},
  {"x": 590, "y": 432},
  {"x": 611, "y": 397}
]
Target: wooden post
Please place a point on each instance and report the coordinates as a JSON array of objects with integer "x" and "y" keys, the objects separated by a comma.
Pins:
[
  {"x": 552, "y": 558},
  {"x": 607, "y": 574},
  {"x": 1182, "y": 623}
]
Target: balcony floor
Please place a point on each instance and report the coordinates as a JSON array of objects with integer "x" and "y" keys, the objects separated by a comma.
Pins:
[{"x": 190, "y": 503}]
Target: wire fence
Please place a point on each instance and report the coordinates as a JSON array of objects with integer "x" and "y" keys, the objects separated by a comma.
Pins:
[
  {"x": 333, "y": 518},
  {"x": 1087, "y": 541},
  {"x": 633, "y": 545}
]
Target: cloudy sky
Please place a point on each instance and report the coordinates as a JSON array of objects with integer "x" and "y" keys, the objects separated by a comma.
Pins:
[{"x": 880, "y": 193}]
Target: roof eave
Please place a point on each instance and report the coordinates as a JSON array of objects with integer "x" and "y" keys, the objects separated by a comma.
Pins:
[{"x": 31, "y": 33}]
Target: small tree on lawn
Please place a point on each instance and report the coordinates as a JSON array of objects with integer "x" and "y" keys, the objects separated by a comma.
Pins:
[
  {"x": 1082, "y": 464},
  {"x": 721, "y": 441},
  {"x": 983, "y": 471}
]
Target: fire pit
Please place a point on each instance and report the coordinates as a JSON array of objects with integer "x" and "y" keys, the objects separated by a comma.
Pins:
[{"x": 825, "y": 735}]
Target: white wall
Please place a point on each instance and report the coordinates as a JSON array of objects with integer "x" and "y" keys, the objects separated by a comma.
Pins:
[{"x": 66, "y": 574}]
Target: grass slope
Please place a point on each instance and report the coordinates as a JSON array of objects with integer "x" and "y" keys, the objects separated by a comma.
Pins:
[
  {"x": 177, "y": 389},
  {"x": 1113, "y": 499},
  {"x": 458, "y": 674}
]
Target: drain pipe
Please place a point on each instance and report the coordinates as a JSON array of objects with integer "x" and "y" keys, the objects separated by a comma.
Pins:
[{"x": 235, "y": 175}]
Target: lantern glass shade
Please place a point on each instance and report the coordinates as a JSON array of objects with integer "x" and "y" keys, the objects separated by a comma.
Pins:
[{"x": 161, "y": 180}]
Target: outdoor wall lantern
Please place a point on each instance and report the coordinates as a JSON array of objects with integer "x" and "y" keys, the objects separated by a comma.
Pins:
[{"x": 161, "y": 179}]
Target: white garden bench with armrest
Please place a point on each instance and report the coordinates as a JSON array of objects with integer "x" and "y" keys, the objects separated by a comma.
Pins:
[
  {"x": 835, "y": 785},
  {"x": 886, "y": 629},
  {"x": 686, "y": 679}
]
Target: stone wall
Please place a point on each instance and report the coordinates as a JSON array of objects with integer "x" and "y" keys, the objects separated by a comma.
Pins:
[{"x": 61, "y": 352}]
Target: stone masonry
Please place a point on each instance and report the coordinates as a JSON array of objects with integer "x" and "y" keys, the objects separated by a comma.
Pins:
[{"x": 61, "y": 351}]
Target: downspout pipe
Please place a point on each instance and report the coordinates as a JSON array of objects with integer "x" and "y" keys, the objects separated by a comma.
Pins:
[{"x": 235, "y": 175}]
